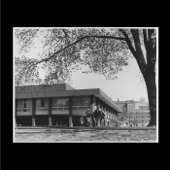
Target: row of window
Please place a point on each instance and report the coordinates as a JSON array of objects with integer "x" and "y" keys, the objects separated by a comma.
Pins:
[{"x": 55, "y": 102}]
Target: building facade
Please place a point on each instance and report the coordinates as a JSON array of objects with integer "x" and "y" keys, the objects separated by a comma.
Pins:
[
  {"x": 139, "y": 105},
  {"x": 129, "y": 105},
  {"x": 136, "y": 112},
  {"x": 61, "y": 105},
  {"x": 138, "y": 118}
]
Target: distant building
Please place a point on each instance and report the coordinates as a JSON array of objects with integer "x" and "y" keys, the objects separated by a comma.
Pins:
[
  {"x": 137, "y": 112},
  {"x": 122, "y": 105},
  {"x": 144, "y": 108},
  {"x": 138, "y": 118},
  {"x": 138, "y": 104},
  {"x": 129, "y": 106},
  {"x": 126, "y": 106}
]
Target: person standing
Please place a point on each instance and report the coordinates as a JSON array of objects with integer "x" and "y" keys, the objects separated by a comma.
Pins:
[
  {"x": 102, "y": 119},
  {"x": 93, "y": 115},
  {"x": 97, "y": 115},
  {"x": 88, "y": 115}
]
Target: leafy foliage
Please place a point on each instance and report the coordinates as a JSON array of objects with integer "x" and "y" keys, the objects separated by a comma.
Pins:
[
  {"x": 105, "y": 51},
  {"x": 66, "y": 50}
]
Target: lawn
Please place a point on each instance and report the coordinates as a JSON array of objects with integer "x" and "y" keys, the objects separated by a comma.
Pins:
[{"x": 84, "y": 135}]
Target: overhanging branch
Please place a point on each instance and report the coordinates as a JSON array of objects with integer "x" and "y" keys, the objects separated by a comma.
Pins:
[
  {"x": 139, "y": 54},
  {"x": 128, "y": 42},
  {"x": 145, "y": 38},
  {"x": 151, "y": 57},
  {"x": 77, "y": 41}
]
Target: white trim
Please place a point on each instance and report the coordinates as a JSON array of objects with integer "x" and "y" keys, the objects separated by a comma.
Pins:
[
  {"x": 83, "y": 27},
  {"x": 157, "y": 83},
  {"x": 14, "y": 121}
]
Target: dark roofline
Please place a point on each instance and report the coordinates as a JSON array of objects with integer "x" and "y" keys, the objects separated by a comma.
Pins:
[
  {"x": 65, "y": 93},
  {"x": 44, "y": 87},
  {"x": 110, "y": 100}
]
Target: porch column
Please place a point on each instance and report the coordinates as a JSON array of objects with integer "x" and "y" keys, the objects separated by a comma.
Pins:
[
  {"x": 97, "y": 102},
  {"x": 49, "y": 108},
  {"x": 92, "y": 103},
  {"x": 111, "y": 112},
  {"x": 116, "y": 116},
  {"x": 104, "y": 109},
  {"x": 108, "y": 111},
  {"x": 107, "y": 107},
  {"x": 33, "y": 111},
  {"x": 92, "y": 100},
  {"x": 70, "y": 112},
  {"x": 101, "y": 105}
]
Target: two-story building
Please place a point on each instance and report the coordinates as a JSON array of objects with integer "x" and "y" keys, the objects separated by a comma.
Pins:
[{"x": 60, "y": 104}]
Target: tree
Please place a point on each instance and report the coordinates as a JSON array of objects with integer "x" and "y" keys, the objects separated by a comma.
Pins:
[
  {"x": 105, "y": 51},
  {"x": 142, "y": 99}
]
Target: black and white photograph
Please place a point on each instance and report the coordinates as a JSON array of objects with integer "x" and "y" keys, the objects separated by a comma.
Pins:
[{"x": 85, "y": 84}]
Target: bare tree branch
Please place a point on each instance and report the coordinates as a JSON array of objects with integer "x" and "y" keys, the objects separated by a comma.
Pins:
[
  {"x": 151, "y": 53},
  {"x": 66, "y": 37},
  {"x": 150, "y": 33},
  {"x": 77, "y": 41},
  {"x": 140, "y": 56},
  {"x": 145, "y": 38},
  {"x": 128, "y": 42}
]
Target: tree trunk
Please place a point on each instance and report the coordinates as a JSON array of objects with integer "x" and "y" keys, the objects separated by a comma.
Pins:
[
  {"x": 151, "y": 89},
  {"x": 147, "y": 69}
]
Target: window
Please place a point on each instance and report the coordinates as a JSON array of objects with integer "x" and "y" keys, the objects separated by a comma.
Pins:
[
  {"x": 60, "y": 102},
  {"x": 81, "y": 101},
  {"x": 42, "y": 103},
  {"x": 28, "y": 104},
  {"x": 38, "y": 103},
  {"x": 20, "y": 104},
  {"x": 24, "y": 104}
]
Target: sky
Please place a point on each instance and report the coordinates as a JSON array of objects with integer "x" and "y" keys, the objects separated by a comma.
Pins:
[{"x": 129, "y": 85}]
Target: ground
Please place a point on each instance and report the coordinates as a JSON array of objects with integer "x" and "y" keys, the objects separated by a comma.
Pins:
[{"x": 84, "y": 135}]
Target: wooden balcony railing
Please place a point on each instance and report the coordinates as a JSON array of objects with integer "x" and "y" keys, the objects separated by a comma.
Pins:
[
  {"x": 41, "y": 109},
  {"x": 80, "y": 107},
  {"x": 24, "y": 110},
  {"x": 59, "y": 108}
]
